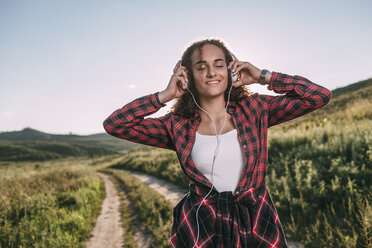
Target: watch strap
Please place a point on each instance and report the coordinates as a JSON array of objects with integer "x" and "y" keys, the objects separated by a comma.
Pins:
[{"x": 262, "y": 76}]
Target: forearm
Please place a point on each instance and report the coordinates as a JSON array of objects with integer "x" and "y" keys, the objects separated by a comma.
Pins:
[
  {"x": 164, "y": 97},
  {"x": 296, "y": 85},
  {"x": 299, "y": 97},
  {"x": 132, "y": 112},
  {"x": 129, "y": 123}
]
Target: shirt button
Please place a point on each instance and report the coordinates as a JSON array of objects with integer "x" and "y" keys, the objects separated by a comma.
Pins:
[{"x": 244, "y": 146}]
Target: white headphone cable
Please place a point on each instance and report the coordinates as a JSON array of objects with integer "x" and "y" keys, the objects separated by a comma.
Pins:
[{"x": 215, "y": 152}]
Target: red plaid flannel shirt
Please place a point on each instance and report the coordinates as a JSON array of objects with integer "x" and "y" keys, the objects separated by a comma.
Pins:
[{"x": 243, "y": 218}]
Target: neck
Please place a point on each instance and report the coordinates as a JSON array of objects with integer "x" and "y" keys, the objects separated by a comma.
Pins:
[{"x": 214, "y": 106}]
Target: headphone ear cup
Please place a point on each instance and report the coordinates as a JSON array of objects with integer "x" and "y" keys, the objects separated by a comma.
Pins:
[
  {"x": 186, "y": 84},
  {"x": 234, "y": 77}
]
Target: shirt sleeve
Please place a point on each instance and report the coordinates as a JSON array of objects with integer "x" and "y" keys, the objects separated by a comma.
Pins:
[
  {"x": 301, "y": 96},
  {"x": 129, "y": 123}
]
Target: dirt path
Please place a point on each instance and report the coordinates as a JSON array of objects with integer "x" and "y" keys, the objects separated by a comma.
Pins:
[
  {"x": 174, "y": 194},
  {"x": 171, "y": 192},
  {"x": 108, "y": 231}
]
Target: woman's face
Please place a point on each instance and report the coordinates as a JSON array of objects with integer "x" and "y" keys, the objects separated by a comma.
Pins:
[{"x": 209, "y": 71}]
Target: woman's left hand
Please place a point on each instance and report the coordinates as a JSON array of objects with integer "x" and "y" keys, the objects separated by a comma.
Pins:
[{"x": 248, "y": 73}]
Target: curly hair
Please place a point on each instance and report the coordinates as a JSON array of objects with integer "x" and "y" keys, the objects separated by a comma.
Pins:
[{"x": 185, "y": 106}]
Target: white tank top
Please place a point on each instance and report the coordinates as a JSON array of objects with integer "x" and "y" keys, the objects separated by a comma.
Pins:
[{"x": 229, "y": 162}]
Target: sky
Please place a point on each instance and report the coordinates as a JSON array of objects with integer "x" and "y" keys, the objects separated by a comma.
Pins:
[{"x": 65, "y": 66}]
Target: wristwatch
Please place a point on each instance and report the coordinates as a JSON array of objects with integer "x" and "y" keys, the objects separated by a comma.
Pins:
[{"x": 262, "y": 76}]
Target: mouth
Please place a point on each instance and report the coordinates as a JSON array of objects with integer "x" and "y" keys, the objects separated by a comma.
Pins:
[{"x": 211, "y": 83}]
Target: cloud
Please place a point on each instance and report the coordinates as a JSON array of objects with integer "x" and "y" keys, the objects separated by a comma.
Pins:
[
  {"x": 8, "y": 113},
  {"x": 131, "y": 86}
]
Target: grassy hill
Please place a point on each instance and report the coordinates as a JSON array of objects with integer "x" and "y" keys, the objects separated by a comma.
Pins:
[
  {"x": 33, "y": 145},
  {"x": 348, "y": 104},
  {"x": 320, "y": 169},
  {"x": 100, "y": 139}
]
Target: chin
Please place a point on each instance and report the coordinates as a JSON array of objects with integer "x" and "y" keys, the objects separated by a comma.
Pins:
[{"x": 213, "y": 94}]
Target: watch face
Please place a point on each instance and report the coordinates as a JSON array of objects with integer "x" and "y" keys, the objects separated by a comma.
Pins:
[{"x": 262, "y": 76}]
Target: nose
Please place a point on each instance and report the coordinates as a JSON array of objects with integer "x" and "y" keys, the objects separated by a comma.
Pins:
[{"x": 211, "y": 72}]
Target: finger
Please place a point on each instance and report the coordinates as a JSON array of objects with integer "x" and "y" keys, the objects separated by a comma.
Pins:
[
  {"x": 184, "y": 74},
  {"x": 237, "y": 83},
  {"x": 181, "y": 82},
  {"x": 235, "y": 66},
  {"x": 184, "y": 71},
  {"x": 239, "y": 67},
  {"x": 245, "y": 65},
  {"x": 181, "y": 71},
  {"x": 176, "y": 66},
  {"x": 232, "y": 64},
  {"x": 183, "y": 68}
]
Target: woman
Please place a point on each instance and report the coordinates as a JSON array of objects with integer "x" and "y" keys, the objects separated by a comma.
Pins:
[{"x": 228, "y": 204}]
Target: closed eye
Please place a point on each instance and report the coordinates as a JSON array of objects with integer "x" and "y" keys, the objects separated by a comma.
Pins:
[{"x": 202, "y": 68}]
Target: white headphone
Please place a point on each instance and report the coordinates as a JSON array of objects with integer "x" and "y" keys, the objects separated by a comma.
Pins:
[{"x": 234, "y": 78}]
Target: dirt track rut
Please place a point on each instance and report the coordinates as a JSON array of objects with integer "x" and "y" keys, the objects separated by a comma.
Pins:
[{"x": 108, "y": 231}]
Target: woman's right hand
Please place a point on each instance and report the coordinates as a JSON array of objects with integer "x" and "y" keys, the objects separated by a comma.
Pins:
[{"x": 176, "y": 84}]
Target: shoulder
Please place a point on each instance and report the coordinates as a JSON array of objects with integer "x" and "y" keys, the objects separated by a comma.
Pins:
[{"x": 174, "y": 120}]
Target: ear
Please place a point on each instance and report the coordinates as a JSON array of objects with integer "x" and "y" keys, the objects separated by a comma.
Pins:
[{"x": 234, "y": 77}]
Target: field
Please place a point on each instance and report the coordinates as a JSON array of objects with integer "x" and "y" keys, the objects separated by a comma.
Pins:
[
  {"x": 319, "y": 176},
  {"x": 50, "y": 204}
]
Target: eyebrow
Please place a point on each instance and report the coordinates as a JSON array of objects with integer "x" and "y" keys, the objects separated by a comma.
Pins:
[{"x": 203, "y": 61}]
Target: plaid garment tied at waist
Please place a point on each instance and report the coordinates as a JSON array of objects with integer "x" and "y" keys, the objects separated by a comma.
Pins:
[{"x": 227, "y": 220}]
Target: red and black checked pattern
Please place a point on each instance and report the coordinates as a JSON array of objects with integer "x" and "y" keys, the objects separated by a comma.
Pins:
[{"x": 225, "y": 221}]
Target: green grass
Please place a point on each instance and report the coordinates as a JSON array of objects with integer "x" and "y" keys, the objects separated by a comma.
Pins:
[
  {"x": 320, "y": 182},
  {"x": 46, "y": 206},
  {"x": 154, "y": 161},
  {"x": 129, "y": 233}
]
